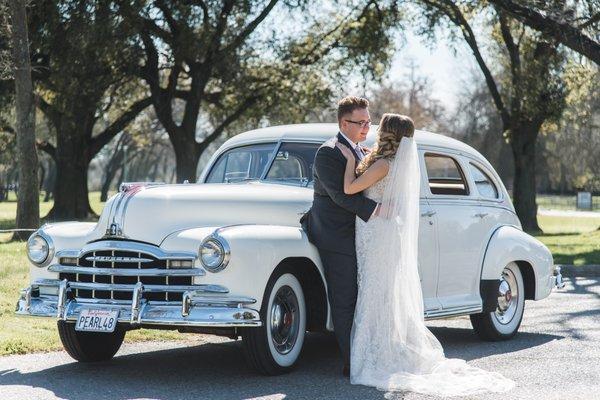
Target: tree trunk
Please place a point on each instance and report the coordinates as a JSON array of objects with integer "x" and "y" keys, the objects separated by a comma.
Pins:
[
  {"x": 28, "y": 207},
  {"x": 111, "y": 170},
  {"x": 524, "y": 186},
  {"x": 72, "y": 162},
  {"x": 50, "y": 180},
  {"x": 186, "y": 159}
]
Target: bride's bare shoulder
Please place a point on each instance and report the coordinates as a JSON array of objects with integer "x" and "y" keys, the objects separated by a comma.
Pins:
[{"x": 382, "y": 164}]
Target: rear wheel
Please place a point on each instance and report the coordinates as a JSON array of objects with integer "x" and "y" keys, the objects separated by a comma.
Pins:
[
  {"x": 89, "y": 346},
  {"x": 503, "y": 323},
  {"x": 274, "y": 348}
]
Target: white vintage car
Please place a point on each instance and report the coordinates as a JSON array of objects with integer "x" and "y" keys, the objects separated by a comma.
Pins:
[{"x": 227, "y": 256}]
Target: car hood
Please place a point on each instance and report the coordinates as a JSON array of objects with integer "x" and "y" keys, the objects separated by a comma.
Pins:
[{"x": 150, "y": 213}]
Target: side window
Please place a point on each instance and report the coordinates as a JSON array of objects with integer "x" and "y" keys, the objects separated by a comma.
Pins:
[
  {"x": 242, "y": 163},
  {"x": 485, "y": 186},
  {"x": 445, "y": 176}
]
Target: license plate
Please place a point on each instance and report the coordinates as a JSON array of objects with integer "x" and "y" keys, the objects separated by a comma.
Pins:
[{"x": 94, "y": 320}]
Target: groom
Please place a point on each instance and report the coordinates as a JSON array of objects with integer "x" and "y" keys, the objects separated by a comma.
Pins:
[{"x": 329, "y": 224}]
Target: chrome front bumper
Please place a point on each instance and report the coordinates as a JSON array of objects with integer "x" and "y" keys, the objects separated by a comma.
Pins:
[
  {"x": 558, "y": 279},
  {"x": 202, "y": 305}
]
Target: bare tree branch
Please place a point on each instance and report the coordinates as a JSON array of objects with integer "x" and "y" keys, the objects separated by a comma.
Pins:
[
  {"x": 250, "y": 27},
  {"x": 117, "y": 126},
  {"x": 47, "y": 148},
  {"x": 452, "y": 11},
  {"x": 566, "y": 34},
  {"x": 226, "y": 122}
]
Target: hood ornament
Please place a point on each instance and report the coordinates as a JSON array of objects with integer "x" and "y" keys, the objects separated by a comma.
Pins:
[{"x": 114, "y": 230}]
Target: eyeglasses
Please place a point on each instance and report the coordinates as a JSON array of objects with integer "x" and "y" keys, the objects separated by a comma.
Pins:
[{"x": 361, "y": 123}]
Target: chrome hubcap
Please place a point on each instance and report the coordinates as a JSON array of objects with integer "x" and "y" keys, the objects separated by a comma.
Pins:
[
  {"x": 508, "y": 297},
  {"x": 285, "y": 320}
]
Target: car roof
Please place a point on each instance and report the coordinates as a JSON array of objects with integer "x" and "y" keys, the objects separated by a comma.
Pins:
[{"x": 322, "y": 131}]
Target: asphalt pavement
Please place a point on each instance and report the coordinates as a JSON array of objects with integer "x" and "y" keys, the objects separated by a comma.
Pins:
[{"x": 556, "y": 355}]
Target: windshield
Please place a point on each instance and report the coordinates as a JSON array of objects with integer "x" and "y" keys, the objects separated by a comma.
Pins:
[
  {"x": 292, "y": 164},
  {"x": 241, "y": 164}
]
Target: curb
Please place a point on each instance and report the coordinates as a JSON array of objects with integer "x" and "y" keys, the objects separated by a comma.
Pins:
[{"x": 590, "y": 270}]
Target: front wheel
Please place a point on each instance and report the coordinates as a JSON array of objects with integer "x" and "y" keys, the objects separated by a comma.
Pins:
[
  {"x": 274, "y": 348},
  {"x": 503, "y": 323},
  {"x": 89, "y": 346}
]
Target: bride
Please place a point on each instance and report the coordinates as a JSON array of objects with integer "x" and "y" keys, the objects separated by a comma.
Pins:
[{"x": 391, "y": 348}]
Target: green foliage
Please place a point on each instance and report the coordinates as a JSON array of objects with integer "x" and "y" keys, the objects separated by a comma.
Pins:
[{"x": 80, "y": 58}]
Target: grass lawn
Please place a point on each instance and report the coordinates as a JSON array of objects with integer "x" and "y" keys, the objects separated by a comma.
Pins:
[{"x": 571, "y": 240}]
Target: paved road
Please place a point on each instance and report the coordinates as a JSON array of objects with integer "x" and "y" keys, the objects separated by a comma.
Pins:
[{"x": 555, "y": 356}]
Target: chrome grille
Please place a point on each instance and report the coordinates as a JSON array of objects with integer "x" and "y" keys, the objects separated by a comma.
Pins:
[{"x": 118, "y": 267}]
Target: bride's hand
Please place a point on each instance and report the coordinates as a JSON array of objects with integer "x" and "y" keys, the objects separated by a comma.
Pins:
[{"x": 346, "y": 152}]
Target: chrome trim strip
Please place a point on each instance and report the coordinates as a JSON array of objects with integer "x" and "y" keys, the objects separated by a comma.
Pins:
[
  {"x": 452, "y": 312},
  {"x": 205, "y": 288},
  {"x": 136, "y": 303},
  {"x": 126, "y": 271},
  {"x": 134, "y": 247},
  {"x": 195, "y": 298},
  {"x": 63, "y": 287},
  {"x": 150, "y": 313},
  {"x": 119, "y": 259}
]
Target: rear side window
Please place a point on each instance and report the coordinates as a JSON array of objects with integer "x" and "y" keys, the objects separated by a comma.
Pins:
[
  {"x": 485, "y": 185},
  {"x": 445, "y": 176}
]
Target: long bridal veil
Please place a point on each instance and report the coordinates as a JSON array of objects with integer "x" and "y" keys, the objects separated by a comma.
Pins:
[{"x": 392, "y": 349}]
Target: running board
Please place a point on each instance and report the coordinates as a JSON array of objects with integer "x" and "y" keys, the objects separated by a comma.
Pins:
[{"x": 452, "y": 312}]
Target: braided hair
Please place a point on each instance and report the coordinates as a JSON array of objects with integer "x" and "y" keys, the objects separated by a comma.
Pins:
[{"x": 392, "y": 128}]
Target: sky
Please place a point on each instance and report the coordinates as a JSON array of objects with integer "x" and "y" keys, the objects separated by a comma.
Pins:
[{"x": 446, "y": 71}]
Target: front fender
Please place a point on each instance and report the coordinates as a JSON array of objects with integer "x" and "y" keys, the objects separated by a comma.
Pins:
[
  {"x": 509, "y": 244},
  {"x": 256, "y": 250}
]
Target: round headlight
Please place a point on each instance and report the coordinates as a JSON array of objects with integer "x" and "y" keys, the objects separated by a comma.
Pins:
[
  {"x": 38, "y": 249},
  {"x": 214, "y": 254}
]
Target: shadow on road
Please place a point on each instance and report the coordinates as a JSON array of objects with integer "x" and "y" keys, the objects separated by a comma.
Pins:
[{"x": 218, "y": 371}]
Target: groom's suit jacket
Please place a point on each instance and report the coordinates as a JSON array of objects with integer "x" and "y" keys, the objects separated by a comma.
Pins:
[{"x": 330, "y": 223}]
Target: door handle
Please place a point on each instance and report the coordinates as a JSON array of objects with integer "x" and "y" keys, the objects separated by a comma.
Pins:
[
  {"x": 428, "y": 213},
  {"x": 480, "y": 215}
]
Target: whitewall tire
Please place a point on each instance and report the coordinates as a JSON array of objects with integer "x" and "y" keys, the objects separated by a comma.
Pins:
[
  {"x": 274, "y": 348},
  {"x": 503, "y": 323}
]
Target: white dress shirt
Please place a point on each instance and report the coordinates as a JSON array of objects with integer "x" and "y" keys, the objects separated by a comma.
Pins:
[{"x": 355, "y": 146}]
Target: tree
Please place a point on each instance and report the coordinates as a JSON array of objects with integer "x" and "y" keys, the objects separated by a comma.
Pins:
[
  {"x": 227, "y": 61},
  {"x": 28, "y": 209},
  {"x": 411, "y": 95},
  {"x": 81, "y": 60},
  {"x": 575, "y": 24},
  {"x": 530, "y": 93},
  {"x": 572, "y": 145}
]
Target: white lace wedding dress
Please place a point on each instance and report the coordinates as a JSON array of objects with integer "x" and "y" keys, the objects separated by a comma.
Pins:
[{"x": 391, "y": 348}]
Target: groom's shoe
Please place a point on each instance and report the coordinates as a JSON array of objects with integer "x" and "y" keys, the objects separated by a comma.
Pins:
[{"x": 346, "y": 370}]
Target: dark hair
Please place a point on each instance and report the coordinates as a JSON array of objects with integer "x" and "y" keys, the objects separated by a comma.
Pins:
[
  {"x": 350, "y": 103},
  {"x": 392, "y": 128}
]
